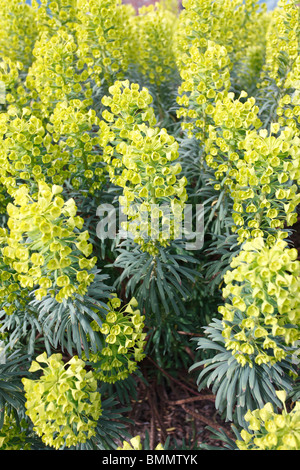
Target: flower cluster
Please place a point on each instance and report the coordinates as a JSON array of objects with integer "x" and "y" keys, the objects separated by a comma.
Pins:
[
  {"x": 229, "y": 23},
  {"x": 77, "y": 156},
  {"x": 43, "y": 245},
  {"x": 270, "y": 430},
  {"x": 124, "y": 340},
  {"x": 288, "y": 103},
  {"x": 103, "y": 34},
  {"x": 259, "y": 176},
  {"x": 281, "y": 42},
  {"x": 11, "y": 89},
  {"x": 136, "y": 444},
  {"x": 63, "y": 403},
  {"x": 249, "y": 67},
  {"x": 18, "y": 23},
  {"x": 52, "y": 77},
  {"x": 79, "y": 44},
  {"x": 281, "y": 71},
  {"x": 22, "y": 138},
  {"x": 52, "y": 16},
  {"x": 257, "y": 167},
  {"x": 205, "y": 80},
  {"x": 152, "y": 35},
  {"x": 142, "y": 164},
  {"x": 261, "y": 316}
]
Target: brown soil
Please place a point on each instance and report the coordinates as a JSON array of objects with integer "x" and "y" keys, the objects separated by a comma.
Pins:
[{"x": 174, "y": 408}]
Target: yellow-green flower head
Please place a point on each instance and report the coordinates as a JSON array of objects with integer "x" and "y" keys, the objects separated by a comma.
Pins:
[
  {"x": 136, "y": 444},
  {"x": 269, "y": 430},
  {"x": 44, "y": 245},
  {"x": 55, "y": 15},
  {"x": 22, "y": 148},
  {"x": 256, "y": 167},
  {"x": 63, "y": 403},
  {"x": 11, "y": 88},
  {"x": 285, "y": 21},
  {"x": 142, "y": 164},
  {"x": 281, "y": 68},
  {"x": 96, "y": 37},
  {"x": 52, "y": 75},
  {"x": 77, "y": 157},
  {"x": 126, "y": 100},
  {"x": 232, "y": 24},
  {"x": 124, "y": 341},
  {"x": 13, "y": 434},
  {"x": 261, "y": 316},
  {"x": 18, "y": 31},
  {"x": 64, "y": 148},
  {"x": 152, "y": 34},
  {"x": 205, "y": 79}
]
